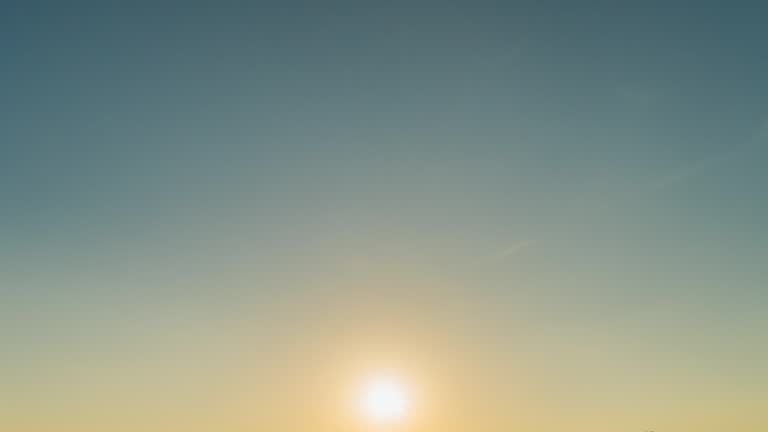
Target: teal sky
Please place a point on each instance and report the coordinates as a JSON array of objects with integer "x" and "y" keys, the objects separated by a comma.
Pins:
[{"x": 556, "y": 208}]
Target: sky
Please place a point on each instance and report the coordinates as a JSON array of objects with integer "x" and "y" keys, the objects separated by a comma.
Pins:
[{"x": 545, "y": 216}]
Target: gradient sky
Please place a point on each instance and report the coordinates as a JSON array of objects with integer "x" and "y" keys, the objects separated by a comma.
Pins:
[{"x": 550, "y": 216}]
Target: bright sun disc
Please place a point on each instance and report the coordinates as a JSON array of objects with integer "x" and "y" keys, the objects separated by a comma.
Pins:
[{"x": 384, "y": 400}]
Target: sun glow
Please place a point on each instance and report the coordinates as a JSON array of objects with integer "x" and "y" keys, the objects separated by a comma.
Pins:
[{"x": 384, "y": 399}]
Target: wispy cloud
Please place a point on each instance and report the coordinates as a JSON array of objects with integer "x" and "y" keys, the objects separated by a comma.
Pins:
[
  {"x": 639, "y": 95},
  {"x": 688, "y": 172},
  {"x": 701, "y": 167},
  {"x": 513, "y": 250}
]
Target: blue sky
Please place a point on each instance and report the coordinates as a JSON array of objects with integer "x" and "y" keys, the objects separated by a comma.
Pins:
[{"x": 581, "y": 178}]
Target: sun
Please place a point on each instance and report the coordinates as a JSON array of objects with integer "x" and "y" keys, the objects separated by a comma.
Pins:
[{"x": 384, "y": 399}]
